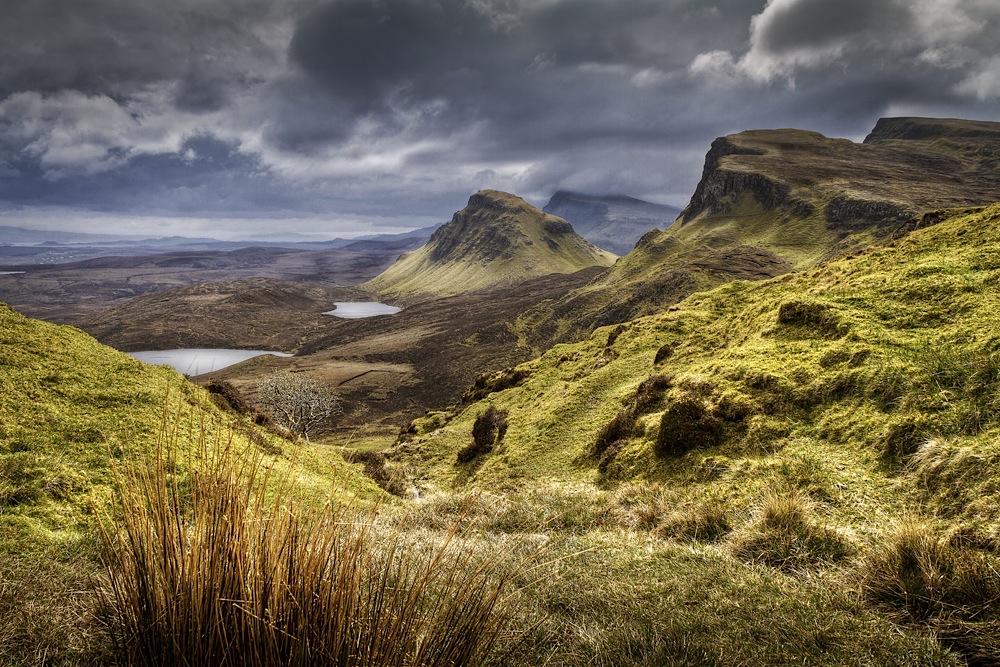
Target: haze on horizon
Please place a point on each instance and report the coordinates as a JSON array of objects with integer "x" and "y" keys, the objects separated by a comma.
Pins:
[{"x": 256, "y": 118}]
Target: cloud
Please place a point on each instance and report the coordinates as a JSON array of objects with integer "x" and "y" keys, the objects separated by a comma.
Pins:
[
  {"x": 394, "y": 109},
  {"x": 792, "y": 39}
]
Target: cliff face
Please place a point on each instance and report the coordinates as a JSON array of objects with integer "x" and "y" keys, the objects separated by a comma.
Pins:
[
  {"x": 903, "y": 169},
  {"x": 612, "y": 222},
  {"x": 496, "y": 240}
]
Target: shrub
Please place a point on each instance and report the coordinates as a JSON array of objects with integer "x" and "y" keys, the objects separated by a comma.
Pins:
[
  {"x": 614, "y": 334},
  {"x": 663, "y": 353},
  {"x": 490, "y": 383},
  {"x": 687, "y": 424},
  {"x": 300, "y": 404},
  {"x": 488, "y": 431},
  {"x": 378, "y": 469},
  {"x": 818, "y": 316},
  {"x": 228, "y": 396},
  {"x": 621, "y": 427}
]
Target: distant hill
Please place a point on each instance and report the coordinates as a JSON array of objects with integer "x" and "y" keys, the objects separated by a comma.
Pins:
[
  {"x": 497, "y": 240},
  {"x": 26, "y": 247},
  {"x": 612, "y": 222}
]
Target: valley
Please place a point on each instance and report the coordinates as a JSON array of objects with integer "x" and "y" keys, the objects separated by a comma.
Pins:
[{"x": 766, "y": 434}]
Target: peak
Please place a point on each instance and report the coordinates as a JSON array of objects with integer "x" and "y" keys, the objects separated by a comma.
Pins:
[{"x": 496, "y": 200}]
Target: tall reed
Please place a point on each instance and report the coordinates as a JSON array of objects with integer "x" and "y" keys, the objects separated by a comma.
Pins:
[{"x": 212, "y": 561}]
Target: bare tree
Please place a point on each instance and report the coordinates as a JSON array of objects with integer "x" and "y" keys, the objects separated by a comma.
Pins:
[{"x": 298, "y": 403}]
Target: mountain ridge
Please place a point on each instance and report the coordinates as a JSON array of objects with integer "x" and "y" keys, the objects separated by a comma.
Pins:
[{"x": 789, "y": 199}]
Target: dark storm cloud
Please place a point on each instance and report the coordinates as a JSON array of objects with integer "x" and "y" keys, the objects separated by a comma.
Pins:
[
  {"x": 812, "y": 24},
  {"x": 384, "y": 109}
]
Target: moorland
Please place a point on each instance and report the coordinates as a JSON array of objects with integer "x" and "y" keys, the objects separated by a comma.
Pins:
[{"x": 766, "y": 435}]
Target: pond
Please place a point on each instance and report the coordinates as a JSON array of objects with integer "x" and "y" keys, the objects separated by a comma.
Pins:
[
  {"x": 200, "y": 361},
  {"x": 353, "y": 310}
]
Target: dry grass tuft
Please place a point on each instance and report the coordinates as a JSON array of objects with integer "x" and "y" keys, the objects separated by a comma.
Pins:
[
  {"x": 924, "y": 575},
  {"x": 226, "y": 567},
  {"x": 784, "y": 534}
]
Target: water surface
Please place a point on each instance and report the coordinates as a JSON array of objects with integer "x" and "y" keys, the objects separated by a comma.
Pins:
[
  {"x": 353, "y": 310},
  {"x": 199, "y": 361}
]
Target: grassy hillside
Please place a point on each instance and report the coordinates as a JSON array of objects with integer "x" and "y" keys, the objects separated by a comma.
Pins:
[
  {"x": 771, "y": 201},
  {"x": 832, "y": 433},
  {"x": 68, "y": 407},
  {"x": 496, "y": 241}
]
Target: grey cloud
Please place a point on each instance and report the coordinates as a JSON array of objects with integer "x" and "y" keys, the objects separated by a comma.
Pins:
[
  {"x": 814, "y": 24},
  {"x": 389, "y": 109}
]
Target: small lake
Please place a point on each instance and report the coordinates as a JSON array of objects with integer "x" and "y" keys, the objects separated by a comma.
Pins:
[
  {"x": 355, "y": 310},
  {"x": 197, "y": 362},
  {"x": 11, "y": 273}
]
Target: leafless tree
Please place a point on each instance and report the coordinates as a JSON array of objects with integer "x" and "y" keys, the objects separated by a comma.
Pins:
[{"x": 297, "y": 402}]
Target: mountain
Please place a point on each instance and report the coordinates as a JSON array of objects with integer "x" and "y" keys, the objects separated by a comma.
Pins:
[
  {"x": 771, "y": 201},
  {"x": 612, "y": 222},
  {"x": 496, "y": 240}
]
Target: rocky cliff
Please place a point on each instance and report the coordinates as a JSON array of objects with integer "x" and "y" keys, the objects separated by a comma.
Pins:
[{"x": 772, "y": 201}]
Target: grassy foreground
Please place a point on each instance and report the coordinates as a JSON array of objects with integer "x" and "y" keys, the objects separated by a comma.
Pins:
[{"x": 68, "y": 408}]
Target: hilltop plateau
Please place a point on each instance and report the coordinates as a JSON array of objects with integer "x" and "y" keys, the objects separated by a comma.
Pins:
[{"x": 496, "y": 241}]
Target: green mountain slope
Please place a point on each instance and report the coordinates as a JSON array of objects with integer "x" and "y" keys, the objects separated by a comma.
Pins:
[
  {"x": 847, "y": 415},
  {"x": 877, "y": 353},
  {"x": 496, "y": 241},
  {"x": 771, "y": 201},
  {"x": 69, "y": 406}
]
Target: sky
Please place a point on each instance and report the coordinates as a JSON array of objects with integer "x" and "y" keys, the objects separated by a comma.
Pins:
[{"x": 259, "y": 119}]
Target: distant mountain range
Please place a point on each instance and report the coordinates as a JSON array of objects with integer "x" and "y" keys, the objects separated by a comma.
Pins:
[
  {"x": 20, "y": 246},
  {"x": 613, "y": 222}
]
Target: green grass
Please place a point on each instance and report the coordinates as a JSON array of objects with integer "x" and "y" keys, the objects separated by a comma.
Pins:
[
  {"x": 843, "y": 511},
  {"x": 865, "y": 389},
  {"x": 68, "y": 408}
]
